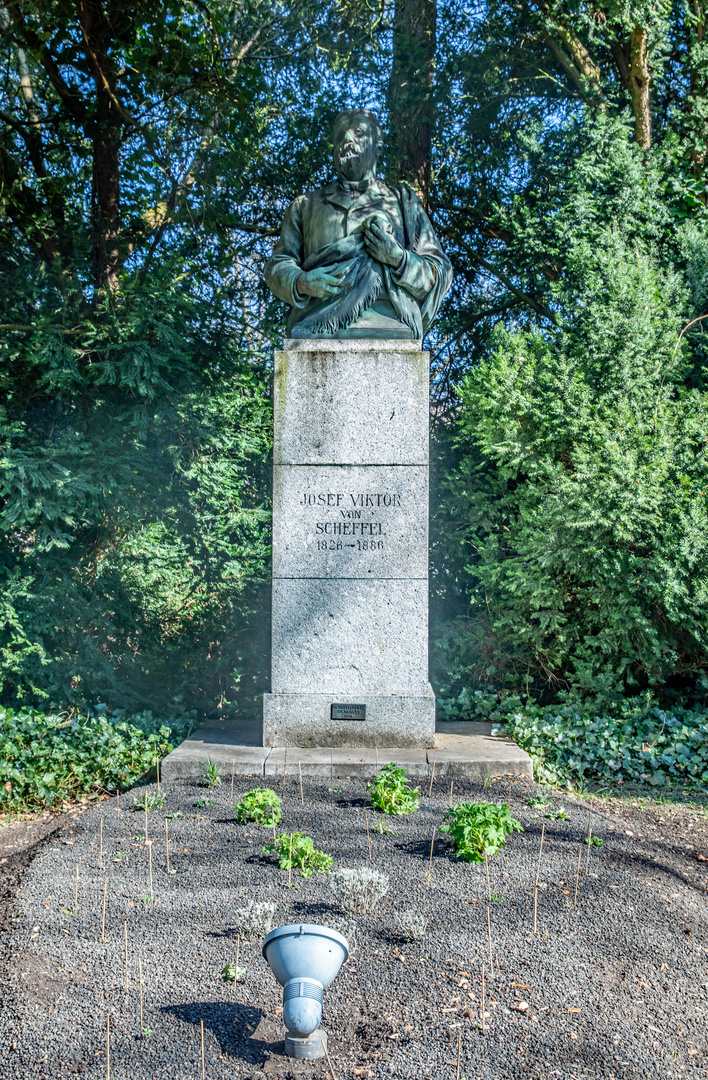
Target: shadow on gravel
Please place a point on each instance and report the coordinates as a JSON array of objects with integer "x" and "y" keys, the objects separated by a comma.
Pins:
[{"x": 234, "y": 1025}]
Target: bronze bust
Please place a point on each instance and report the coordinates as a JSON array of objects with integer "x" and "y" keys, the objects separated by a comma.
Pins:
[{"x": 358, "y": 258}]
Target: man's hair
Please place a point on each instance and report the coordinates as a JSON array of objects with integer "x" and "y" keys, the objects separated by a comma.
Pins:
[{"x": 346, "y": 115}]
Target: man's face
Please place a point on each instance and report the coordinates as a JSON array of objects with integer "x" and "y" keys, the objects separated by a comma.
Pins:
[{"x": 355, "y": 147}]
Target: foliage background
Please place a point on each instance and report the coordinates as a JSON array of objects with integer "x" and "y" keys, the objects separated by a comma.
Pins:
[{"x": 146, "y": 155}]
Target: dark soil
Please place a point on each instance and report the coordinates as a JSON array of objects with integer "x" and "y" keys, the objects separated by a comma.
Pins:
[{"x": 616, "y": 987}]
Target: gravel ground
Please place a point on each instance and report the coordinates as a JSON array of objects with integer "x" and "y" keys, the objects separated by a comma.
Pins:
[{"x": 614, "y": 988}]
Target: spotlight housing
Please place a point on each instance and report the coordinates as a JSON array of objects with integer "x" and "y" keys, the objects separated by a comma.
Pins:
[{"x": 305, "y": 959}]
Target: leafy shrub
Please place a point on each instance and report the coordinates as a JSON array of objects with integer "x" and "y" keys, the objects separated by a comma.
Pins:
[
  {"x": 478, "y": 829},
  {"x": 261, "y": 805},
  {"x": 359, "y": 890},
  {"x": 411, "y": 925},
  {"x": 639, "y": 744},
  {"x": 255, "y": 920},
  {"x": 46, "y": 760},
  {"x": 580, "y": 520},
  {"x": 391, "y": 792},
  {"x": 297, "y": 850}
]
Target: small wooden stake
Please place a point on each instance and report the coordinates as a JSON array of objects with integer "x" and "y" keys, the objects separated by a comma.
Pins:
[
  {"x": 328, "y": 1061},
  {"x": 482, "y": 1000},
  {"x": 100, "y": 847},
  {"x": 538, "y": 871},
  {"x": 150, "y": 863},
  {"x": 489, "y": 887},
  {"x": 146, "y": 823},
  {"x": 285, "y": 760},
  {"x": 76, "y": 892},
  {"x": 331, "y": 773},
  {"x": 290, "y": 864},
  {"x": 238, "y": 946},
  {"x": 140, "y": 983},
  {"x": 430, "y": 861},
  {"x": 201, "y": 1024},
  {"x": 377, "y": 760},
  {"x": 577, "y": 877},
  {"x": 459, "y": 1052},
  {"x": 587, "y": 861},
  {"x": 157, "y": 766},
  {"x": 432, "y": 776},
  {"x": 299, "y": 769},
  {"x": 117, "y": 800},
  {"x": 103, "y": 921},
  {"x": 233, "y": 769},
  {"x": 368, "y": 835},
  {"x": 167, "y": 847},
  {"x": 489, "y": 935},
  {"x": 451, "y": 783},
  {"x": 108, "y": 1048},
  {"x": 125, "y": 934}
]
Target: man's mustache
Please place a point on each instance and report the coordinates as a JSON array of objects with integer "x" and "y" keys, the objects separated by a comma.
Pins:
[{"x": 349, "y": 150}]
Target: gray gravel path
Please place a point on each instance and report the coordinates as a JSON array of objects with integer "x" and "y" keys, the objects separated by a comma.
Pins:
[{"x": 615, "y": 988}]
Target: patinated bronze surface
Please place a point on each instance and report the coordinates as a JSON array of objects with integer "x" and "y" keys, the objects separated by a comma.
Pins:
[{"x": 358, "y": 258}]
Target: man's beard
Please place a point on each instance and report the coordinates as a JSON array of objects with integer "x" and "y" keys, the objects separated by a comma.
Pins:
[{"x": 351, "y": 163}]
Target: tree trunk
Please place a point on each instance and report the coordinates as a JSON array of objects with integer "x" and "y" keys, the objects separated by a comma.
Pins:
[
  {"x": 105, "y": 129},
  {"x": 639, "y": 87},
  {"x": 410, "y": 93}
]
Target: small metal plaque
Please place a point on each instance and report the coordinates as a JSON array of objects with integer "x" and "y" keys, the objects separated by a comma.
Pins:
[{"x": 348, "y": 712}]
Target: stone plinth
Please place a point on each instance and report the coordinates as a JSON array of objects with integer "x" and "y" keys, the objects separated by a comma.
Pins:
[{"x": 350, "y": 545}]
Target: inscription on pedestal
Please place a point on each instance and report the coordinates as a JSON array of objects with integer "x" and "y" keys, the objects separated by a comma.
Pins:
[{"x": 350, "y": 521}]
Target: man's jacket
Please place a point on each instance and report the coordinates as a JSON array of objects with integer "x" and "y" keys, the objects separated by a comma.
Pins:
[{"x": 323, "y": 229}]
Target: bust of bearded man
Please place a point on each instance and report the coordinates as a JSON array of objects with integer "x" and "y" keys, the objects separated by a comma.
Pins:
[{"x": 358, "y": 258}]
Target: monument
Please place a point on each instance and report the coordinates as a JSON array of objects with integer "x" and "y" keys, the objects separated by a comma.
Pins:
[{"x": 360, "y": 266}]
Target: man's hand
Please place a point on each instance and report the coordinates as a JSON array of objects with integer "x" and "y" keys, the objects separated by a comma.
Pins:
[
  {"x": 324, "y": 281},
  {"x": 380, "y": 242}
]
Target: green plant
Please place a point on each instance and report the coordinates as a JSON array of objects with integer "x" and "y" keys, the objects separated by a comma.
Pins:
[
  {"x": 359, "y": 890},
  {"x": 211, "y": 774},
  {"x": 538, "y": 801},
  {"x": 596, "y": 840},
  {"x": 231, "y": 973},
  {"x": 496, "y": 898},
  {"x": 201, "y": 803},
  {"x": 391, "y": 793},
  {"x": 477, "y": 829},
  {"x": 46, "y": 760},
  {"x": 555, "y": 813},
  {"x": 175, "y": 816},
  {"x": 147, "y": 899},
  {"x": 639, "y": 742},
  {"x": 261, "y": 805},
  {"x": 151, "y": 800},
  {"x": 297, "y": 850}
]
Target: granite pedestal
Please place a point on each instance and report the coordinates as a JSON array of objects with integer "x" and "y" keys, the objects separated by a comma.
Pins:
[{"x": 350, "y": 546}]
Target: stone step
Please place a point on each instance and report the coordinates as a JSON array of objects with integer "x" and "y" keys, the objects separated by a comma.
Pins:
[{"x": 462, "y": 748}]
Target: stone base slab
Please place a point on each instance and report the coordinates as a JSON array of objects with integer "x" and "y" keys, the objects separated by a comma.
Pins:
[
  {"x": 469, "y": 750},
  {"x": 304, "y": 720}
]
